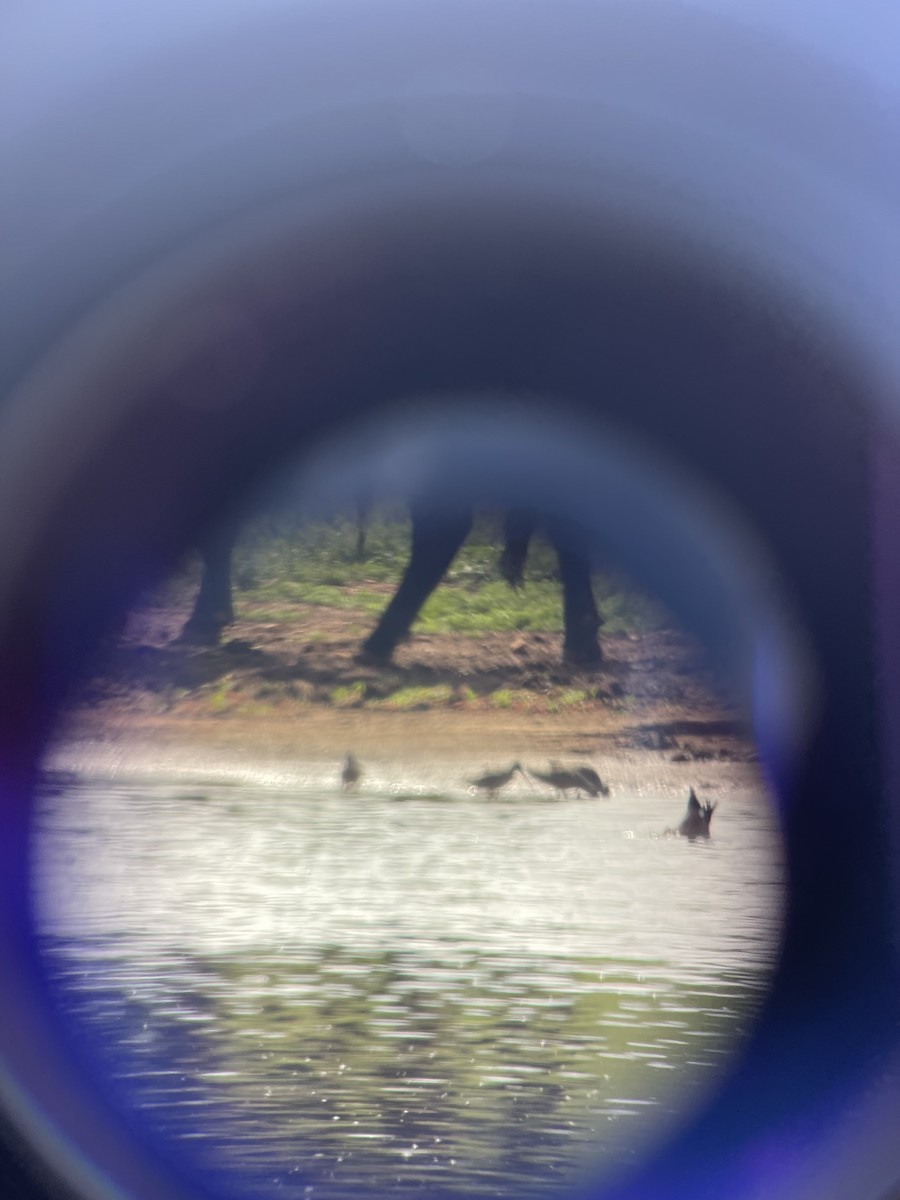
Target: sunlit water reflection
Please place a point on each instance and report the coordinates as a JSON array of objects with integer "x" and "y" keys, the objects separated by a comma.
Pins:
[{"x": 308, "y": 994}]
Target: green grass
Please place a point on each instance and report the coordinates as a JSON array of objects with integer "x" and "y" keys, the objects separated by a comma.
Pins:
[
  {"x": 492, "y": 607},
  {"x": 349, "y": 696},
  {"x": 320, "y": 553},
  {"x": 285, "y": 570},
  {"x": 322, "y": 595},
  {"x": 515, "y": 698},
  {"x": 294, "y": 691},
  {"x": 219, "y": 699},
  {"x": 405, "y": 699}
]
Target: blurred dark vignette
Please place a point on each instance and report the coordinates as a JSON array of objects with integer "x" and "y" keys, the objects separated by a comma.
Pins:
[{"x": 232, "y": 233}]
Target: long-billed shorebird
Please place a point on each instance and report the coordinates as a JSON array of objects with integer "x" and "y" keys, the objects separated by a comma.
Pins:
[
  {"x": 351, "y": 772},
  {"x": 591, "y": 776},
  {"x": 569, "y": 779},
  {"x": 493, "y": 782}
]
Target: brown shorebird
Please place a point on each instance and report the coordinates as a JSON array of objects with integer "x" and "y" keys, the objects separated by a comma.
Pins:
[
  {"x": 492, "y": 783},
  {"x": 569, "y": 779},
  {"x": 696, "y": 822},
  {"x": 591, "y": 776},
  {"x": 351, "y": 772}
]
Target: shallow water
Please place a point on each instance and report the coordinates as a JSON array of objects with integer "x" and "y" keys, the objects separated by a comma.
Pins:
[{"x": 304, "y": 993}]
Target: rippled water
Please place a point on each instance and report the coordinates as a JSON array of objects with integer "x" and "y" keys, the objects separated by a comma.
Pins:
[{"x": 304, "y": 993}]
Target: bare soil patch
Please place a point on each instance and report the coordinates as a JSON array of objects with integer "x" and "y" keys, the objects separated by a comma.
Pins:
[{"x": 271, "y": 683}]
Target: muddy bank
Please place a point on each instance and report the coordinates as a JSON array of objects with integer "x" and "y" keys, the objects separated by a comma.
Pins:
[
  {"x": 289, "y": 692},
  {"x": 316, "y": 733}
]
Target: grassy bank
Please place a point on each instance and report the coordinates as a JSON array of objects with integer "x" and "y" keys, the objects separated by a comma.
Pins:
[
  {"x": 305, "y": 601},
  {"x": 282, "y": 570}
]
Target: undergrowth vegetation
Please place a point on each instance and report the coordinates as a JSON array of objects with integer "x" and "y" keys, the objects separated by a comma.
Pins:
[{"x": 282, "y": 570}]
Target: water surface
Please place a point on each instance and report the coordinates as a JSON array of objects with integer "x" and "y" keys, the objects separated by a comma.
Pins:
[{"x": 299, "y": 993}]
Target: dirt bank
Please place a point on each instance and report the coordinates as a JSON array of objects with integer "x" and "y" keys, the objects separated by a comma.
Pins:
[{"x": 290, "y": 690}]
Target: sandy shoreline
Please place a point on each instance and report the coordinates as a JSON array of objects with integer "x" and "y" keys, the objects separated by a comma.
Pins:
[
  {"x": 383, "y": 736},
  {"x": 275, "y": 704},
  {"x": 432, "y": 747}
]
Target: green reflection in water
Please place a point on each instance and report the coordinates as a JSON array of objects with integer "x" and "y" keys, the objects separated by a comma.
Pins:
[{"x": 353, "y": 1073}]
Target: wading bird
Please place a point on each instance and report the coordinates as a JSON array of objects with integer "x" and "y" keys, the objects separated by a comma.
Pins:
[
  {"x": 591, "y": 776},
  {"x": 696, "y": 822},
  {"x": 568, "y": 779},
  {"x": 351, "y": 772},
  {"x": 492, "y": 783}
]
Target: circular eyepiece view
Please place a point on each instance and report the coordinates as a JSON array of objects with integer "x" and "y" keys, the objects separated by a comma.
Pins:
[
  {"x": 448, "y": 465},
  {"x": 418, "y": 834}
]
